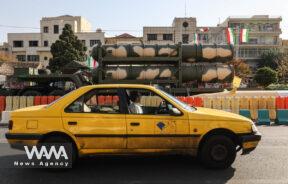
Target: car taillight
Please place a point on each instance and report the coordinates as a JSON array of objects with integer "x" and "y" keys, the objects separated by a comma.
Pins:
[{"x": 10, "y": 124}]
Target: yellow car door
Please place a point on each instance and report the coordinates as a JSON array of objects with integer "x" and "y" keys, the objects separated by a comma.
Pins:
[
  {"x": 96, "y": 119},
  {"x": 154, "y": 128}
]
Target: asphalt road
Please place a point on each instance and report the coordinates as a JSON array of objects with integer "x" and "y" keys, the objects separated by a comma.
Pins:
[{"x": 267, "y": 164}]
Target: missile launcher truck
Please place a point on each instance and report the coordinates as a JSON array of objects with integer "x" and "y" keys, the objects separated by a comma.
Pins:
[{"x": 178, "y": 68}]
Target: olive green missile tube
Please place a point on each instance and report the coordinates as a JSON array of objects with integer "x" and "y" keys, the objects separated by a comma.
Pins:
[
  {"x": 189, "y": 53},
  {"x": 202, "y": 63}
]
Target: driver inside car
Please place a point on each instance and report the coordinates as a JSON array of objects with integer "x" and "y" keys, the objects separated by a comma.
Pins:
[{"x": 135, "y": 107}]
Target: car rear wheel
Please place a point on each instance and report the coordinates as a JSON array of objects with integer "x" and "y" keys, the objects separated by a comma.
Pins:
[
  {"x": 218, "y": 152},
  {"x": 58, "y": 139}
]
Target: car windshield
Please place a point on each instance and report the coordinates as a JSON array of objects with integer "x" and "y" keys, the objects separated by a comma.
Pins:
[{"x": 182, "y": 104}]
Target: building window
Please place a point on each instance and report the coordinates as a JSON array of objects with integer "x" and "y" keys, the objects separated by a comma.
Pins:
[
  {"x": 46, "y": 43},
  {"x": 167, "y": 37},
  {"x": 32, "y": 57},
  {"x": 185, "y": 38},
  {"x": 33, "y": 43},
  {"x": 21, "y": 57},
  {"x": 83, "y": 42},
  {"x": 18, "y": 43},
  {"x": 45, "y": 58},
  {"x": 94, "y": 42},
  {"x": 151, "y": 37},
  {"x": 56, "y": 29},
  {"x": 46, "y": 29}
]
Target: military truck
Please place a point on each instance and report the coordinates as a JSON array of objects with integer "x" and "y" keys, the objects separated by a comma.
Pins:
[
  {"x": 180, "y": 68},
  {"x": 45, "y": 84}
]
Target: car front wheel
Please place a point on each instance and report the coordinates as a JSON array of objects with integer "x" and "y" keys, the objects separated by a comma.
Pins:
[{"x": 218, "y": 152}]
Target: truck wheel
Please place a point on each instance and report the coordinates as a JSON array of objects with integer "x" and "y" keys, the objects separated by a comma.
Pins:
[
  {"x": 57, "y": 92},
  {"x": 62, "y": 139},
  {"x": 31, "y": 93},
  {"x": 218, "y": 152}
]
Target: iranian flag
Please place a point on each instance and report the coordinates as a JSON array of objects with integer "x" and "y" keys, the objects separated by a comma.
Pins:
[
  {"x": 230, "y": 36},
  {"x": 196, "y": 39},
  {"x": 244, "y": 36},
  {"x": 91, "y": 63}
]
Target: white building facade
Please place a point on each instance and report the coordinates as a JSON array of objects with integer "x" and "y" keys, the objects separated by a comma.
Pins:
[{"x": 35, "y": 47}]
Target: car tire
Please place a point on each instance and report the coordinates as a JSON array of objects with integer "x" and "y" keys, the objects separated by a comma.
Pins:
[
  {"x": 218, "y": 152},
  {"x": 63, "y": 139},
  {"x": 31, "y": 93}
]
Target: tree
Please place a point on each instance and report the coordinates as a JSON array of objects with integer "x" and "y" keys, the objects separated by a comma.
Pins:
[
  {"x": 5, "y": 57},
  {"x": 68, "y": 48},
  {"x": 242, "y": 69},
  {"x": 282, "y": 69},
  {"x": 270, "y": 58},
  {"x": 265, "y": 76}
]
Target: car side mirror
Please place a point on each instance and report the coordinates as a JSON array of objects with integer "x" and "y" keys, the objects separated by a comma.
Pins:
[{"x": 174, "y": 112}]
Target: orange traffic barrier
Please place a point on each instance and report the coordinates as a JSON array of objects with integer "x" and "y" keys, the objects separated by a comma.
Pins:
[
  {"x": 44, "y": 100},
  {"x": 2, "y": 103},
  {"x": 108, "y": 100},
  {"x": 190, "y": 100},
  {"x": 280, "y": 103},
  {"x": 37, "y": 100},
  {"x": 286, "y": 102},
  {"x": 56, "y": 97},
  {"x": 115, "y": 100},
  {"x": 50, "y": 99},
  {"x": 198, "y": 102},
  {"x": 101, "y": 100}
]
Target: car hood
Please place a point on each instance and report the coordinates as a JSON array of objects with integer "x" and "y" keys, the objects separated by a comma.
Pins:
[{"x": 219, "y": 115}]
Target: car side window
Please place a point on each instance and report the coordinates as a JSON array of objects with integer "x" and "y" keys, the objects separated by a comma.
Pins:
[
  {"x": 96, "y": 101},
  {"x": 143, "y": 101}
]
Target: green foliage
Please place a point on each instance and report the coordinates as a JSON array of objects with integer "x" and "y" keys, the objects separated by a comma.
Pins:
[
  {"x": 277, "y": 87},
  {"x": 271, "y": 59},
  {"x": 265, "y": 76},
  {"x": 68, "y": 48}
]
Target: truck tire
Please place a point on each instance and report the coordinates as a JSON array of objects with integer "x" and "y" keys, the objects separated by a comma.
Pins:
[
  {"x": 57, "y": 92},
  {"x": 31, "y": 93},
  {"x": 62, "y": 139},
  {"x": 218, "y": 152}
]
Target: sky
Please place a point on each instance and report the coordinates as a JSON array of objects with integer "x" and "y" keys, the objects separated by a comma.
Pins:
[{"x": 119, "y": 16}]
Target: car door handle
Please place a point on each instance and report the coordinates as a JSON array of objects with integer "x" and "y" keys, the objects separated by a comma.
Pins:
[
  {"x": 72, "y": 123},
  {"x": 134, "y": 123}
]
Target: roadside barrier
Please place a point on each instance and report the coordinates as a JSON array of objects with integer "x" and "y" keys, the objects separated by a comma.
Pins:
[
  {"x": 44, "y": 100},
  {"x": 2, "y": 103},
  {"x": 235, "y": 101},
  {"x": 30, "y": 101},
  {"x": 208, "y": 102},
  {"x": 8, "y": 103},
  {"x": 259, "y": 107},
  {"x": 245, "y": 112},
  {"x": 37, "y": 100},
  {"x": 263, "y": 117},
  {"x": 23, "y": 102},
  {"x": 282, "y": 117},
  {"x": 15, "y": 102}
]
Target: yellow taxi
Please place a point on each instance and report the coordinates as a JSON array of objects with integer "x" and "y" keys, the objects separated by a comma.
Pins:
[{"x": 133, "y": 119}]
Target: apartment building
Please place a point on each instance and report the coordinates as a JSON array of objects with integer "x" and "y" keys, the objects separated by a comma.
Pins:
[
  {"x": 264, "y": 32},
  {"x": 36, "y": 46},
  {"x": 182, "y": 30}
]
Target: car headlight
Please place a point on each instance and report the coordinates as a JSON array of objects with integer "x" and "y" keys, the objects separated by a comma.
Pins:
[{"x": 254, "y": 128}]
